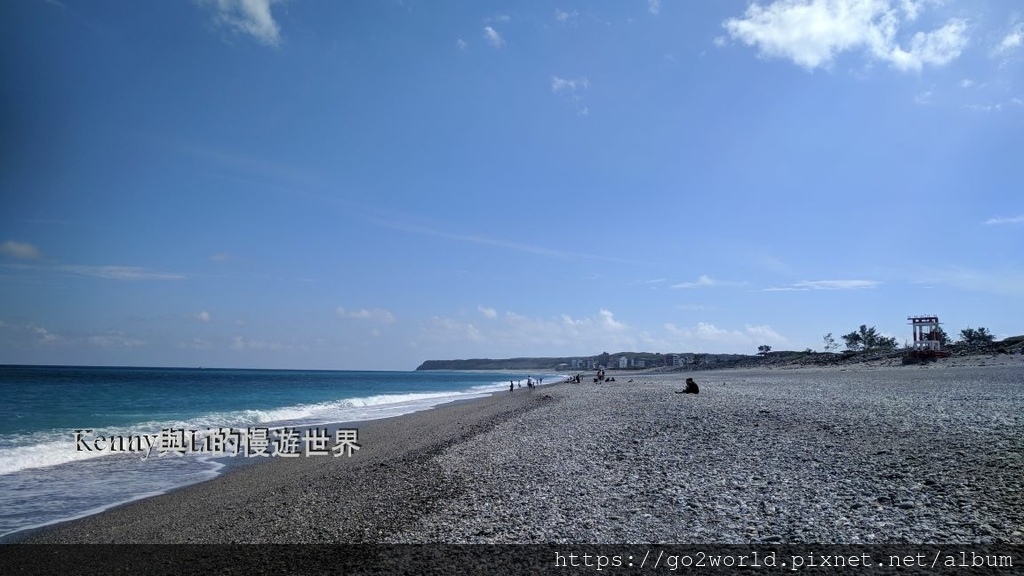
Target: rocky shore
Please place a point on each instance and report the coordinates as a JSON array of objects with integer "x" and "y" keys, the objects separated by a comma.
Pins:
[{"x": 871, "y": 454}]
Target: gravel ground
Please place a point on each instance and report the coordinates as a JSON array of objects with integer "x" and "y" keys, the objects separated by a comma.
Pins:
[
  {"x": 867, "y": 454},
  {"x": 843, "y": 455}
]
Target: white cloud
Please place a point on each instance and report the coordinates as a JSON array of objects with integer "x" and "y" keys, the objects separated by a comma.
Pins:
[
  {"x": 219, "y": 257},
  {"x": 511, "y": 334},
  {"x": 654, "y": 6},
  {"x": 448, "y": 330},
  {"x": 44, "y": 334},
  {"x": 120, "y": 272},
  {"x": 812, "y": 33},
  {"x": 22, "y": 250},
  {"x": 609, "y": 322},
  {"x": 560, "y": 85},
  {"x": 1012, "y": 220},
  {"x": 705, "y": 336},
  {"x": 249, "y": 17},
  {"x": 376, "y": 315},
  {"x": 911, "y": 8},
  {"x": 1013, "y": 40},
  {"x": 197, "y": 344},
  {"x": 117, "y": 339},
  {"x": 705, "y": 281},
  {"x": 966, "y": 83},
  {"x": 1006, "y": 281},
  {"x": 923, "y": 98},
  {"x": 996, "y": 107},
  {"x": 936, "y": 48},
  {"x": 483, "y": 240},
  {"x": 571, "y": 90},
  {"x": 461, "y": 44},
  {"x": 240, "y": 343},
  {"x": 488, "y": 312},
  {"x": 563, "y": 16},
  {"x": 493, "y": 37},
  {"x": 826, "y": 285},
  {"x": 202, "y": 316}
]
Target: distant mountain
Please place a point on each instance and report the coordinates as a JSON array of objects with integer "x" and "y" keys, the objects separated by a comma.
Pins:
[{"x": 500, "y": 364}]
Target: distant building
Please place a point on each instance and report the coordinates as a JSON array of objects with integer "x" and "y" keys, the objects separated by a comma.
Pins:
[
  {"x": 623, "y": 362},
  {"x": 641, "y": 363},
  {"x": 671, "y": 359}
]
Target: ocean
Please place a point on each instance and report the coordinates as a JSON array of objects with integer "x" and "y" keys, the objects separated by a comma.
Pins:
[{"x": 53, "y": 468}]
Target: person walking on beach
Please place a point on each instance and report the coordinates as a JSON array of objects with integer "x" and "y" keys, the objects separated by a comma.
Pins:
[{"x": 511, "y": 386}]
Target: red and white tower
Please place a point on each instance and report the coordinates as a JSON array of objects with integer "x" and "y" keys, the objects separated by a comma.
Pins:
[{"x": 927, "y": 335}]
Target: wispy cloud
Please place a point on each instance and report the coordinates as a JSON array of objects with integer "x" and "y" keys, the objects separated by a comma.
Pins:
[
  {"x": 705, "y": 281},
  {"x": 539, "y": 250},
  {"x": 120, "y": 272},
  {"x": 1012, "y": 220},
  {"x": 461, "y": 44},
  {"x": 493, "y": 37},
  {"x": 249, "y": 17},
  {"x": 812, "y": 33},
  {"x": 1007, "y": 281},
  {"x": 826, "y": 285},
  {"x": 22, "y": 250},
  {"x": 1011, "y": 104},
  {"x": 654, "y": 6},
  {"x": 202, "y": 316},
  {"x": 488, "y": 312},
  {"x": 381, "y": 315}
]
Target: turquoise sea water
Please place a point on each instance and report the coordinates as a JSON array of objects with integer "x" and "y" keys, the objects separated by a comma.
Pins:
[{"x": 46, "y": 476}]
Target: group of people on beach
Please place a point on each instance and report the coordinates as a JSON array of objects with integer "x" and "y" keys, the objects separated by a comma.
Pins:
[{"x": 529, "y": 384}]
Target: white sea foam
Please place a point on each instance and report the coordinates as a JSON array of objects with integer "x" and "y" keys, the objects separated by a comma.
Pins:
[{"x": 53, "y": 448}]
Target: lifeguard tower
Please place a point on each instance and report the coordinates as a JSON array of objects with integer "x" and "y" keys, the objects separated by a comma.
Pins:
[{"x": 927, "y": 337}]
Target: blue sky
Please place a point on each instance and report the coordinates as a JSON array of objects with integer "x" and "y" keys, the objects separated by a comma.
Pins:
[{"x": 367, "y": 185}]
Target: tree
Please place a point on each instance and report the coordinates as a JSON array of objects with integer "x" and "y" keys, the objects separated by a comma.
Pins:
[
  {"x": 764, "y": 349},
  {"x": 853, "y": 341},
  {"x": 886, "y": 343},
  {"x": 973, "y": 337},
  {"x": 830, "y": 343},
  {"x": 868, "y": 339}
]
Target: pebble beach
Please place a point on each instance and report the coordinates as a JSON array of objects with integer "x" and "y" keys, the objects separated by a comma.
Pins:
[{"x": 858, "y": 454}]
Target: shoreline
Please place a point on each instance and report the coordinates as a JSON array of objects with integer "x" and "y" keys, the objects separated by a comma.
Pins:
[
  {"x": 845, "y": 454},
  {"x": 385, "y": 442}
]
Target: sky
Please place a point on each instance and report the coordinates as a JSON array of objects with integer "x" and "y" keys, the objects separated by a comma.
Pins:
[{"x": 368, "y": 185}]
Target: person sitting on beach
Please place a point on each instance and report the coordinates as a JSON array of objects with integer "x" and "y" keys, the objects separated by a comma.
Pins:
[{"x": 691, "y": 387}]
